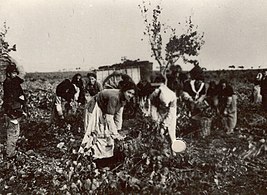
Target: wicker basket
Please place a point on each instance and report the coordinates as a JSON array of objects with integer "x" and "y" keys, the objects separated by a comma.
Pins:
[
  {"x": 202, "y": 125},
  {"x": 205, "y": 126}
]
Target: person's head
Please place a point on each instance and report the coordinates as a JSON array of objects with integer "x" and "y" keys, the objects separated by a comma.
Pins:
[
  {"x": 265, "y": 72},
  {"x": 212, "y": 84},
  {"x": 76, "y": 78},
  {"x": 223, "y": 83},
  {"x": 197, "y": 73},
  {"x": 92, "y": 77},
  {"x": 160, "y": 79},
  {"x": 128, "y": 89},
  {"x": 11, "y": 70},
  {"x": 175, "y": 70},
  {"x": 199, "y": 78}
]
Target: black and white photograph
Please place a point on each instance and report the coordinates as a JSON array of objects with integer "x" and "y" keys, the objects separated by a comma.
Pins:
[{"x": 133, "y": 97}]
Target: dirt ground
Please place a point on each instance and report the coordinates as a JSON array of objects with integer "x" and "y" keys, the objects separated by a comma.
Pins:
[{"x": 48, "y": 162}]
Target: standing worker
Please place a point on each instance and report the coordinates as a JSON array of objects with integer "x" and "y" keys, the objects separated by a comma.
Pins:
[
  {"x": 14, "y": 103},
  {"x": 227, "y": 105}
]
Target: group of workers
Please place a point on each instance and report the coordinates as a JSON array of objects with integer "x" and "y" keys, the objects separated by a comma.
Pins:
[{"x": 103, "y": 108}]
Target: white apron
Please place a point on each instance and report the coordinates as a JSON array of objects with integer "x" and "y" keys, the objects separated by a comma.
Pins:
[{"x": 103, "y": 145}]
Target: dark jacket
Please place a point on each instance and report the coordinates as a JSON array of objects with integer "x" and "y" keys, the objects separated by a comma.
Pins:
[
  {"x": 144, "y": 88},
  {"x": 226, "y": 92},
  {"x": 263, "y": 85},
  {"x": 66, "y": 90},
  {"x": 188, "y": 88},
  {"x": 109, "y": 101},
  {"x": 213, "y": 90},
  {"x": 13, "y": 104},
  {"x": 80, "y": 85},
  {"x": 175, "y": 83}
]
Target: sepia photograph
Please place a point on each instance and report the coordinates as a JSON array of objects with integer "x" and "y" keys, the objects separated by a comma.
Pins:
[{"x": 133, "y": 97}]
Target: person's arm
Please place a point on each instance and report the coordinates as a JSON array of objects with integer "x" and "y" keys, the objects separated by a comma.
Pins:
[
  {"x": 71, "y": 92},
  {"x": 77, "y": 93},
  {"x": 201, "y": 98},
  {"x": 153, "y": 97},
  {"x": 100, "y": 88},
  {"x": 170, "y": 120},
  {"x": 110, "y": 115},
  {"x": 187, "y": 97},
  {"x": 112, "y": 128},
  {"x": 118, "y": 118},
  {"x": 186, "y": 92},
  {"x": 202, "y": 95},
  {"x": 155, "y": 93}
]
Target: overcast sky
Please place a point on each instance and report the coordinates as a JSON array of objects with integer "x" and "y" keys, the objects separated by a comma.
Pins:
[{"x": 53, "y": 35}]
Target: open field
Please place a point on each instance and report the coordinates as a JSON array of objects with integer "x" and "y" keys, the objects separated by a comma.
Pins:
[{"x": 48, "y": 162}]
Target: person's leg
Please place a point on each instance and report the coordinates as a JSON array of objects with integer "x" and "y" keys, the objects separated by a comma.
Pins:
[{"x": 13, "y": 130}]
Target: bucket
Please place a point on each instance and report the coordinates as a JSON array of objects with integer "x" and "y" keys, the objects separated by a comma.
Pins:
[{"x": 178, "y": 146}]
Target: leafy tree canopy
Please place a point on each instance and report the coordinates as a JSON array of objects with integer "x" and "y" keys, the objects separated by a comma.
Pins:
[
  {"x": 4, "y": 46},
  {"x": 177, "y": 47}
]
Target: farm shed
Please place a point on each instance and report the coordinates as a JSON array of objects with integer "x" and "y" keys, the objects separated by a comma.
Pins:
[{"x": 137, "y": 70}]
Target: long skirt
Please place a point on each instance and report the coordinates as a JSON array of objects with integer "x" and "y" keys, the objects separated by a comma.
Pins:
[
  {"x": 101, "y": 145},
  {"x": 230, "y": 119}
]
